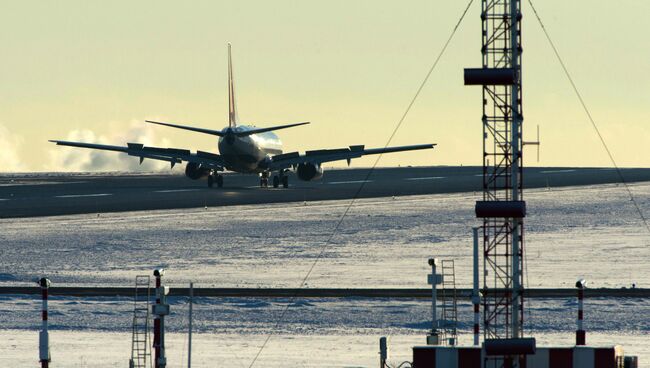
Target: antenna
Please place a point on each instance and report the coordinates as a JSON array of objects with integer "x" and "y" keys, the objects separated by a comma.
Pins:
[{"x": 534, "y": 143}]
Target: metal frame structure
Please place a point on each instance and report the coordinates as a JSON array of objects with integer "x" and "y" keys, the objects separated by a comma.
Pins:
[
  {"x": 449, "y": 322},
  {"x": 140, "y": 334},
  {"x": 503, "y": 234}
]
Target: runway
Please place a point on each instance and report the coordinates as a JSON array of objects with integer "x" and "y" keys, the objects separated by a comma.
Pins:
[{"x": 61, "y": 194}]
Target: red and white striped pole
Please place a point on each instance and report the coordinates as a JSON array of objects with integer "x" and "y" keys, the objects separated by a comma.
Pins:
[
  {"x": 160, "y": 310},
  {"x": 156, "y": 327},
  {"x": 581, "y": 337},
  {"x": 43, "y": 336}
]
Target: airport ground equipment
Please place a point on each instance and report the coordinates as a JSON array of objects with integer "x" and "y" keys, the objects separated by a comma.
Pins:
[
  {"x": 140, "y": 336},
  {"x": 581, "y": 336},
  {"x": 449, "y": 301},
  {"x": 43, "y": 336},
  {"x": 383, "y": 352},
  {"x": 434, "y": 279},
  {"x": 544, "y": 357},
  {"x": 443, "y": 329},
  {"x": 160, "y": 309}
]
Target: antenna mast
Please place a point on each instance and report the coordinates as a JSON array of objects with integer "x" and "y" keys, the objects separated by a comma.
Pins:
[{"x": 502, "y": 208}]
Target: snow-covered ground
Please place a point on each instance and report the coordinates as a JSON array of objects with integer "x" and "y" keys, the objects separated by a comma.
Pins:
[
  {"x": 592, "y": 232},
  {"x": 313, "y": 332}
]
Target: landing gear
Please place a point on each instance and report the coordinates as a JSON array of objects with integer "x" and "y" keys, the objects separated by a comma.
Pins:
[
  {"x": 281, "y": 178},
  {"x": 212, "y": 178},
  {"x": 264, "y": 180}
]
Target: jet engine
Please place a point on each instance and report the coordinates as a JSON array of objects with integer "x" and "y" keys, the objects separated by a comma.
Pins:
[
  {"x": 194, "y": 171},
  {"x": 307, "y": 171}
]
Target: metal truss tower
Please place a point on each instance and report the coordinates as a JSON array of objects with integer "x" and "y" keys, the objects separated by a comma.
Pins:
[{"x": 502, "y": 208}]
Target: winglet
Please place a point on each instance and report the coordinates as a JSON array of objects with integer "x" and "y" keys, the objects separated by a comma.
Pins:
[{"x": 233, "y": 119}]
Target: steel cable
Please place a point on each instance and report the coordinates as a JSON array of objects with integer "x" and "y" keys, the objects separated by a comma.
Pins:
[
  {"x": 363, "y": 183},
  {"x": 591, "y": 119}
]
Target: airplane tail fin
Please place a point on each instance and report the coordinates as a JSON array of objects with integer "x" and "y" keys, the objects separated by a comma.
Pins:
[{"x": 233, "y": 119}]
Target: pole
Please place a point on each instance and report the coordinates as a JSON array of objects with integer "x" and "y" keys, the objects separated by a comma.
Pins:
[
  {"x": 434, "y": 297},
  {"x": 476, "y": 299},
  {"x": 160, "y": 310},
  {"x": 515, "y": 179},
  {"x": 189, "y": 343},
  {"x": 434, "y": 280},
  {"x": 581, "y": 336},
  {"x": 383, "y": 352},
  {"x": 43, "y": 336},
  {"x": 156, "y": 326}
]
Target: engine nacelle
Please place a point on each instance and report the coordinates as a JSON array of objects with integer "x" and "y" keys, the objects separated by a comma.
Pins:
[
  {"x": 307, "y": 172},
  {"x": 194, "y": 171}
]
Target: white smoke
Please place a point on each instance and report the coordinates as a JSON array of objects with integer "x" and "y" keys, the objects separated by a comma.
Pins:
[
  {"x": 9, "y": 145},
  {"x": 83, "y": 159}
]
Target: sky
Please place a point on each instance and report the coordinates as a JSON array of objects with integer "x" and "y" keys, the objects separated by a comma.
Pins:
[{"x": 95, "y": 70}]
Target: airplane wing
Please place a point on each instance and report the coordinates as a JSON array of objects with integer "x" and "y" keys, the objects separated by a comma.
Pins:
[
  {"x": 172, "y": 155},
  {"x": 317, "y": 157}
]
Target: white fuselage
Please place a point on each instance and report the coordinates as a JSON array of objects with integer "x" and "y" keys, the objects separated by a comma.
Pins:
[{"x": 249, "y": 153}]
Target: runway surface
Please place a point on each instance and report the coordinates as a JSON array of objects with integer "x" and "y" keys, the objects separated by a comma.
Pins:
[{"x": 60, "y": 194}]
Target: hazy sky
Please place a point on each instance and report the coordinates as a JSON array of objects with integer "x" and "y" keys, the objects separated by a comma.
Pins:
[{"x": 94, "y": 70}]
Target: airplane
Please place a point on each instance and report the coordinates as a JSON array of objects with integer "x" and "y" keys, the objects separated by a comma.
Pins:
[{"x": 244, "y": 149}]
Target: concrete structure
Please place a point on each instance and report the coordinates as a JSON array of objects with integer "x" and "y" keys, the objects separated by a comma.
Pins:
[{"x": 544, "y": 357}]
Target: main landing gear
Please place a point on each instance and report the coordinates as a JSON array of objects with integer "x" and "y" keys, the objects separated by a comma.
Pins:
[
  {"x": 277, "y": 180},
  {"x": 218, "y": 178},
  {"x": 282, "y": 178}
]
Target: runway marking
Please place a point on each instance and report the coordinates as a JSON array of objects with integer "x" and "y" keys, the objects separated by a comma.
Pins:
[
  {"x": 33, "y": 183},
  {"x": 83, "y": 195},
  {"x": 349, "y": 182},
  {"x": 555, "y": 171},
  {"x": 175, "y": 190},
  {"x": 426, "y": 178},
  {"x": 5, "y": 199}
]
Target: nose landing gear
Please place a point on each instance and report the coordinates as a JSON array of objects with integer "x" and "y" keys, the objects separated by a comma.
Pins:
[
  {"x": 218, "y": 178},
  {"x": 264, "y": 180}
]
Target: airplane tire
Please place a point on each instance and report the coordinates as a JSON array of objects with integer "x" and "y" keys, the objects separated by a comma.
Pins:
[
  {"x": 285, "y": 182},
  {"x": 276, "y": 181},
  {"x": 219, "y": 181},
  {"x": 210, "y": 181}
]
